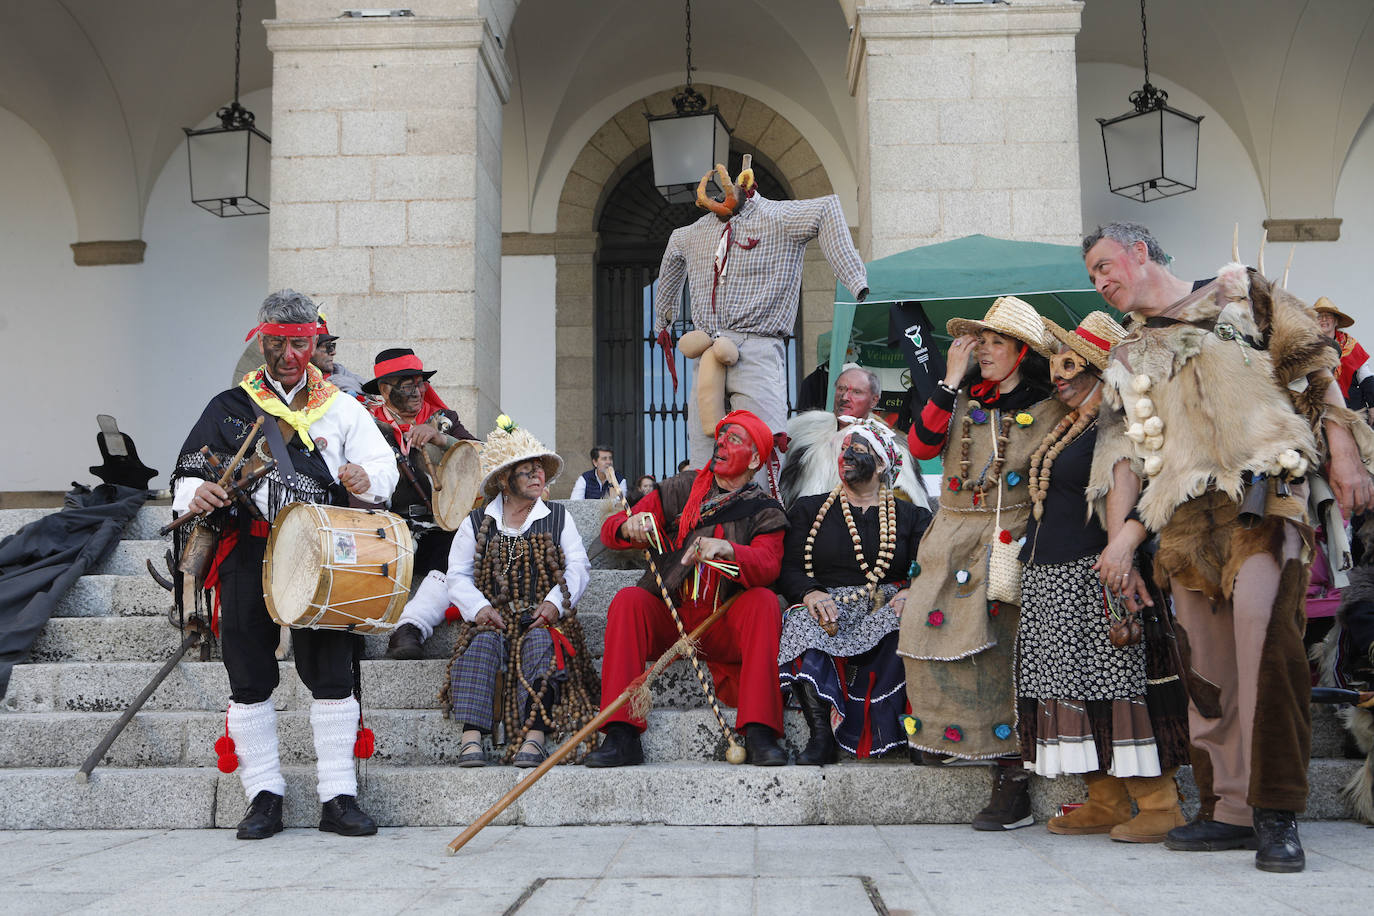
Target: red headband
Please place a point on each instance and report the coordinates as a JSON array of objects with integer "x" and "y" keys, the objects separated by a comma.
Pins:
[
  {"x": 285, "y": 330},
  {"x": 1092, "y": 338},
  {"x": 388, "y": 366}
]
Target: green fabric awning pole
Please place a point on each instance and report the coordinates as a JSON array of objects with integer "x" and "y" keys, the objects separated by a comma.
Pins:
[{"x": 840, "y": 329}]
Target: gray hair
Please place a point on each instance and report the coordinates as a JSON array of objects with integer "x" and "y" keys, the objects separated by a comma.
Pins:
[
  {"x": 1126, "y": 235},
  {"x": 874, "y": 386},
  {"x": 288, "y": 307}
]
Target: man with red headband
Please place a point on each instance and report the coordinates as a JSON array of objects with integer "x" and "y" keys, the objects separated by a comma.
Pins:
[
  {"x": 327, "y": 449},
  {"x": 702, "y": 520},
  {"x": 410, "y": 414}
]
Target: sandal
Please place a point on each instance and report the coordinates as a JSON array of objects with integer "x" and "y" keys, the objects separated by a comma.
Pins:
[
  {"x": 530, "y": 758},
  {"x": 472, "y": 754}
]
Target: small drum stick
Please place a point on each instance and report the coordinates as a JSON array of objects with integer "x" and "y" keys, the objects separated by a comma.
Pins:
[{"x": 435, "y": 483}]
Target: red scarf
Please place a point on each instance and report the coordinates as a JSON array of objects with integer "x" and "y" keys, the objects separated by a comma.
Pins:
[
  {"x": 431, "y": 405},
  {"x": 987, "y": 391},
  {"x": 1353, "y": 356}
]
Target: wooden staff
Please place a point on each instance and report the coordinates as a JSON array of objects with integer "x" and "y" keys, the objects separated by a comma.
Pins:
[
  {"x": 224, "y": 478},
  {"x": 640, "y": 684},
  {"x": 734, "y": 754}
]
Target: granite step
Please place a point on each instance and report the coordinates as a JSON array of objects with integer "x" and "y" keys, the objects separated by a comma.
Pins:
[
  {"x": 681, "y": 793},
  {"x": 404, "y": 736},
  {"x": 80, "y": 687}
]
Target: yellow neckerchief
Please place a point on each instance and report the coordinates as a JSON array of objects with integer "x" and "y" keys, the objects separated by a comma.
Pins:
[{"x": 320, "y": 394}]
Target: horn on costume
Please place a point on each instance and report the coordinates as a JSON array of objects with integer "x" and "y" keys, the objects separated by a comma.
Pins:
[
  {"x": 1235, "y": 238},
  {"x": 1264, "y": 237},
  {"x": 1289, "y": 266}
]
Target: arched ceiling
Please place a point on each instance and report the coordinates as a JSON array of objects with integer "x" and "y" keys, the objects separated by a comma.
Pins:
[{"x": 110, "y": 85}]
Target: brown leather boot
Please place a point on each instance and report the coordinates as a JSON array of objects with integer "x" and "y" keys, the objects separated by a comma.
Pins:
[
  {"x": 1107, "y": 805},
  {"x": 1157, "y": 799}
]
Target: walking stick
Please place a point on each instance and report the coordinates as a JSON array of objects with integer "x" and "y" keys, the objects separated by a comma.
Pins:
[
  {"x": 734, "y": 754},
  {"x": 638, "y": 686},
  {"x": 193, "y": 636}
]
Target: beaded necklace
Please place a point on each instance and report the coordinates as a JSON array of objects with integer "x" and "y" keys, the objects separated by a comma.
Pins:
[
  {"x": 887, "y": 539},
  {"x": 966, "y": 444},
  {"x": 1042, "y": 459}
]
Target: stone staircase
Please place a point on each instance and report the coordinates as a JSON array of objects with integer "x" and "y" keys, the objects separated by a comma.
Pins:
[{"x": 111, "y": 634}]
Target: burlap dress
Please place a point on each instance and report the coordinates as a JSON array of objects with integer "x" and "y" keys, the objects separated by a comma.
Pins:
[{"x": 956, "y": 645}]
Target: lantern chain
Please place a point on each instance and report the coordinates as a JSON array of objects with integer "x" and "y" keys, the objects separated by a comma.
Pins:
[
  {"x": 238, "y": 36},
  {"x": 689, "y": 101},
  {"x": 1147, "y": 98}
]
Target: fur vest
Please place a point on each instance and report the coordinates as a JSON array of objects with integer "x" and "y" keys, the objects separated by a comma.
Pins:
[{"x": 1229, "y": 380}]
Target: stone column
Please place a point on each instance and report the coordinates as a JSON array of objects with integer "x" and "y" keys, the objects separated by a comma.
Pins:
[
  {"x": 967, "y": 122},
  {"x": 386, "y": 186}
]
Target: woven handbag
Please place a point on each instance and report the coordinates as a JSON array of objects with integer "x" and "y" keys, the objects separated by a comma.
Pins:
[{"x": 1004, "y": 562}]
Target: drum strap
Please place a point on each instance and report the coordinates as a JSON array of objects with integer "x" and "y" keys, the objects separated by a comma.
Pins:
[{"x": 272, "y": 431}]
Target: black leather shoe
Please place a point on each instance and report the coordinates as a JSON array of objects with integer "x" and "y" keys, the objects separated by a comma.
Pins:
[
  {"x": 1279, "y": 847},
  {"x": 263, "y": 818},
  {"x": 620, "y": 748},
  {"x": 1008, "y": 808},
  {"x": 821, "y": 747},
  {"x": 342, "y": 815},
  {"x": 405, "y": 643},
  {"x": 761, "y": 746},
  {"x": 1209, "y": 836}
]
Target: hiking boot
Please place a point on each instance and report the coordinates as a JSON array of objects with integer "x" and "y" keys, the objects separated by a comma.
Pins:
[
  {"x": 263, "y": 818},
  {"x": 1210, "y": 836},
  {"x": 761, "y": 746},
  {"x": 1279, "y": 847},
  {"x": 1009, "y": 807},
  {"x": 620, "y": 748},
  {"x": 342, "y": 815}
]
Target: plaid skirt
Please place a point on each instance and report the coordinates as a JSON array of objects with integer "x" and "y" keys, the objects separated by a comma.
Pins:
[{"x": 472, "y": 675}]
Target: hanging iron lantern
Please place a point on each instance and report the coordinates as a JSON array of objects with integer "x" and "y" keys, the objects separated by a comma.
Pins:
[
  {"x": 230, "y": 164},
  {"x": 688, "y": 143},
  {"x": 1151, "y": 151}
]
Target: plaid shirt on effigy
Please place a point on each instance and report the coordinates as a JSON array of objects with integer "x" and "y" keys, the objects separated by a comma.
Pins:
[{"x": 753, "y": 264}]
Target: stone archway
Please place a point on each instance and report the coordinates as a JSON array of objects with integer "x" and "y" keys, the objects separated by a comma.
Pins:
[{"x": 619, "y": 143}]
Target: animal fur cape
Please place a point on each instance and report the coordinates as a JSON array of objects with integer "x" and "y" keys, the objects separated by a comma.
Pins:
[{"x": 813, "y": 454}]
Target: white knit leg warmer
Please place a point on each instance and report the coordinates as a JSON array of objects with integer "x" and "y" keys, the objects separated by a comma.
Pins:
[
  {"x": 253, "y": 726},
  {"x": 425, "y": 611},
  {"x": 335, "y": 724}
]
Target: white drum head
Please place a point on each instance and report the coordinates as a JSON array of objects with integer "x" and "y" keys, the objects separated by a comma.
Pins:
[{"x": 295, "y": 562}]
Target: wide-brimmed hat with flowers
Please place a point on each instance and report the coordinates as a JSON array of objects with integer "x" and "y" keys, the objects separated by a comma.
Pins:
[
  {"x": 508, "y": 445},
  {"x": 1010, "y": 317},
  {"x": 1326, "y": 305},
  {"x": 1093, "y": 339}
]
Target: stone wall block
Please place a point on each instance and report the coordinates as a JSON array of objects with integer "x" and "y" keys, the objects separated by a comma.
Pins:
[
  {"x": 324, "y": 179},
  {"x": 441, "y": 222},
  {"x": 325, "y": 271},
  {"x": 635, "y": 126},
  {"x": 594, "y": 164},
  {"x": 356, "y": 317},
  {"x": 1026, "y": 165},
  {"x": 798, "y": 160},
  {"x": 780, "y": 136},
  {"x": 921, "y": 168},
  {"x": 436, "y": 130},
  {"x": 305, "y": 133},
  {"x": 1032, "y": 75},
  {"x": 578, "y": 341},
  {"x": 581, "y": 191},
  {"x": 373, "y": 133},
  {"x": 815, "y": 183},
  {"x": 1052, "y": 120},
  {"x": 972, "y": 121},
  {"x": 425, "y": 177},
  {"x": 574, "y": 216},
  {"x": 908, "y": 214},
  {"x": 431, "y": 314},
  {"x": 372, "y": 222},
  {"x": 968, "y": 212},
  {"x": 730, "y": 103},
  {"x": 422, "y": 269},
  {"x": 1040, "y": 214},
  {"x": 301, "y": 85},
  {"x": 404, "y": 88},
  {"x": 302, "y": 225},
  {"x": 900, "y": 70},
  {"x": 754, "y": 119},
  {"x": 898, "y": 122}
]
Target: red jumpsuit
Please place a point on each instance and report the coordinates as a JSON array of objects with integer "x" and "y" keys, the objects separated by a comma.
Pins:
[{"x": 741, "y": 649}]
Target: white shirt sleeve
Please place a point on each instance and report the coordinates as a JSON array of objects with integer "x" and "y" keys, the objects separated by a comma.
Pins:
[
  {"x": 580, "y": 488},
  {"x": 462, "y": 591},
  {"x": 579, "y": 571},
  {"x": 364, "y": 446}
]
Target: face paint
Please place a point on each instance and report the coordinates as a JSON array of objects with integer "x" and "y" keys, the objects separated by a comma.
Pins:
[
  {"x": 287, "y": 357},
  {"x": 406, "y": 398},
  {"x": 733, "y": 453},
  {"x": 857, "y": 465},
  {"x": 526, "y": 480}
]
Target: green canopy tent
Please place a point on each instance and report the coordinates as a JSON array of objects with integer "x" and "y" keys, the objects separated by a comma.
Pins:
[{"x": 960, "y": 279}]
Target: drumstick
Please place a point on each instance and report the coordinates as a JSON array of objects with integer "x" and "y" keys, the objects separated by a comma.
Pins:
[
  {"x": 224, "y": 479},
  {"x": 434, "y": 480}
]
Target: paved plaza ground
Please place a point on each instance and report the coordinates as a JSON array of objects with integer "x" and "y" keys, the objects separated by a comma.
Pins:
[{"x": 845, "y": 871}]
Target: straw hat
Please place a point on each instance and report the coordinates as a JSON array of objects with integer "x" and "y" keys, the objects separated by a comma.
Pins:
[
  {"x": 1010, "y": 317},
  {"x": 1093, "y": 339},
  {"x": 1326, "y": 305},
  {"x": 509, "y": 445}
]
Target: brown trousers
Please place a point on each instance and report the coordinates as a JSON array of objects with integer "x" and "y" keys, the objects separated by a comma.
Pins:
[{"x": 1239, "y": 596}]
